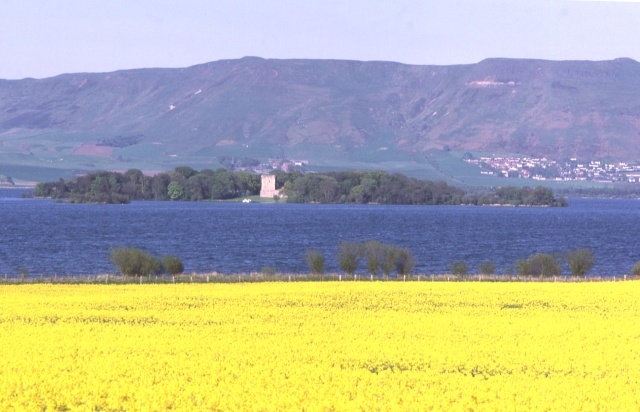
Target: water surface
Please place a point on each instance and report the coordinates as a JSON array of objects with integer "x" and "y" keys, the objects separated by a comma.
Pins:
[{"x": 48, "y": 237}]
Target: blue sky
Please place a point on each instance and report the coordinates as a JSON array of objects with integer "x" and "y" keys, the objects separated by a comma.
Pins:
[{"x": 41, "y": 38}]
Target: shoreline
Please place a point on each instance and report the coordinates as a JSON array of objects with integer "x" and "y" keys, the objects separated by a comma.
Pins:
[{"x": 257, "y": 277}]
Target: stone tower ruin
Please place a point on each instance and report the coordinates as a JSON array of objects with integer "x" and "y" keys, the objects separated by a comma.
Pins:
[{"x": 268, "y": 188}]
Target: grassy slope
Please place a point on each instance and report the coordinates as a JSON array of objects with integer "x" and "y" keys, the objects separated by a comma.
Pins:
[{"x": 336, "y": 114}]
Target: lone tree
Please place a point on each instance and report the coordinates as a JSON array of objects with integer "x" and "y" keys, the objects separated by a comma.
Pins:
[
  {"x": 523, "y": 268},
  {"x": 315, "y": 260},
  {"x": 487, "y": 268},
  {"x": 544, "y": 265},
  {"x": 374, "y": 253},
  {"x": 635, "y": 270},
  {"x": 580, "y": 261},
  {"x": 173, "y": 265},
  {"x": 458, "y": 268},
  {"x": 389, "y": 260},
  {"x": 349, "y": 256},
  {"x": 134, "y": 262},
  {"x": 405, "y": 262}
]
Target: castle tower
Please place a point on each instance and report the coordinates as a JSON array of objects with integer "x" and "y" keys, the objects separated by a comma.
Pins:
[{"x": 268, "y": 188}]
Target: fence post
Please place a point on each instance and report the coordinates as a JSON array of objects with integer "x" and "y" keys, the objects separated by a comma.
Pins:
[
  {"x": 207, "y": 278},
  {"x": 173, "y": 279},
  {"x": 340, "y": 278},
  {"x": 141, "y": 280}
]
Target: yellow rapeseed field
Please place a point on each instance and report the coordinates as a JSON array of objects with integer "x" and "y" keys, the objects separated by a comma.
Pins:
[{"x": 321, "y": 346}]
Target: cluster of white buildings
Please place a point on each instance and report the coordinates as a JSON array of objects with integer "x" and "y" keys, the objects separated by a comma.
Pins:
[
  {"x": 545, "y": 169},
  {"x": 280, "y": 164}
]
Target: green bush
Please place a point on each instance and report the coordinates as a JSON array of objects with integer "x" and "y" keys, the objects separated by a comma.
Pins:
[
  {"x": 487, "y": 268},
  {"x": 523, "y": 268},
  {"x": 635, "y": 271},
  {"x": 134, "y": 262},
  {"x": 349, "y": 256},
  {"x": 580, "y": 261},
  {"x": 539, "y": 264},
  {"x": 544, "y": 265},
  {"x": 405, "y": 262},
  {"x": 458, "y": 268},
  {"x": 172, "y": 265},
  {"x": 374, "y": 254},
  {"x": 389, "y": 260},
  {"x": 315, "y": 260}
]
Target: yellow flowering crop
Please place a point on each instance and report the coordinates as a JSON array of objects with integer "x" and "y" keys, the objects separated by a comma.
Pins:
[{"x": 321, "y": 346}]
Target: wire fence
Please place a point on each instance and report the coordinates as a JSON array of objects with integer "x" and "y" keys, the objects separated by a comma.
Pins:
[{"x": 255, "y": 277}]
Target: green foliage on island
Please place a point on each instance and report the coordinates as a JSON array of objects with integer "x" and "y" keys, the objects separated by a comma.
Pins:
[
  {"x": 540, "y": 196},
  {"x": 183, "y": 183},
  {"x": 617, "y": 191},
  {"x": 359, "y": 187},
  {"x": 381, "y": 187}
]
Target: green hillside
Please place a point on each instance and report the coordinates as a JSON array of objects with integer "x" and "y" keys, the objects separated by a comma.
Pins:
[{"x": 335, "y": 114}]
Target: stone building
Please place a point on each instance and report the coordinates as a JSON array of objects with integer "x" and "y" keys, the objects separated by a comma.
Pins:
[{"x": 268, "y": 188}]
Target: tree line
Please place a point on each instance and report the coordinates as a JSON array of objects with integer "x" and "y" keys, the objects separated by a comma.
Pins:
[
  {"x": 182, "y": 183},
  {"x": 618, "y": 191},
  {"x": 385, "y": 188},
  {"x": 185, "y": 183},
  {"x": 580, "y": 262},
  {"x": 381, "y": 260}
]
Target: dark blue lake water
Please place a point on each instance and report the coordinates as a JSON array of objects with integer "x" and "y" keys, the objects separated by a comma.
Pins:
[{"x": 47, "y": 237}]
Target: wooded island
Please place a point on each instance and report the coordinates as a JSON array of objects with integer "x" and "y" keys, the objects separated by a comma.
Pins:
[{"x": 356, "y": 187}]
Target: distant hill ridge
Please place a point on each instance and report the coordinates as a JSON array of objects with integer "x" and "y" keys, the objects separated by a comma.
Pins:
[{"x": 537, "y": 107}]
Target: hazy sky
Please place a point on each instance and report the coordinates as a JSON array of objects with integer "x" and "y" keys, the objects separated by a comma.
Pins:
[{"x": 40, "y": 38}]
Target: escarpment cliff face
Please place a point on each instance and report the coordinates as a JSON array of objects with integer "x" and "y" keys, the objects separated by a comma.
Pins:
[{"x": 542, "y": 108}]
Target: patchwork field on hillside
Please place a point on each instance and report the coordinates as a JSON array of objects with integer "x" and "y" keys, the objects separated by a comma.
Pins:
[{"x": 321, "y": 346}]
